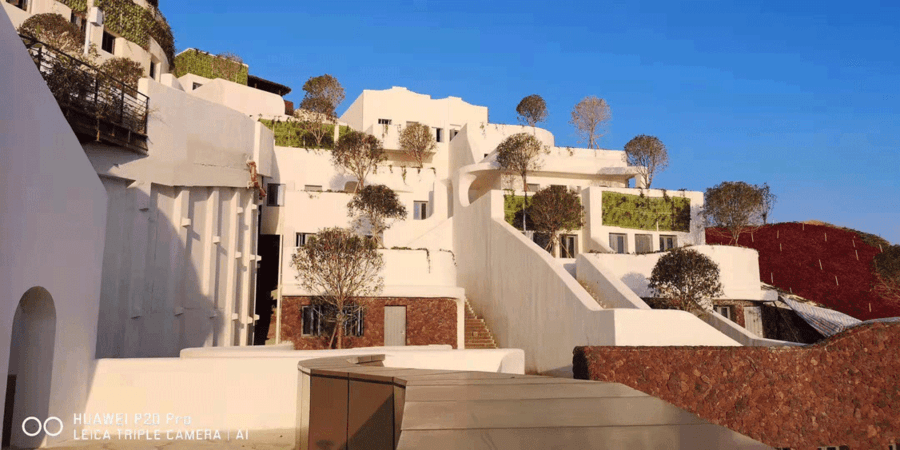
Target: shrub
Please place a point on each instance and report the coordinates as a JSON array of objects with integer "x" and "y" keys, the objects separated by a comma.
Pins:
[
  {"x": 687, "y": 278},
  {"x": 124, "y": 70},
  {"x": 377, "y": 204},
  {"x": 55, "y": 31}
]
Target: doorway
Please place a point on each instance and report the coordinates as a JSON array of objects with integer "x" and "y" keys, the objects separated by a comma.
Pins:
[
  {"x": 30, "y": 368},
  {"x": 394, "y": 326}
]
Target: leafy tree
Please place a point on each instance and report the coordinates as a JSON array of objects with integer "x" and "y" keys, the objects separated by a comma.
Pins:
[
  {"x": 377, "y": 204},
  {"x": 556, "y": 209},
  {"x": 688, "y": 278},
  {"x": 768, "y": 202},
  {"x": 418, "y": 142},
  {"x": 343, "y": 270},
  {"x": 319, "y": 105},
  {"x": 588, "y": 116},
  {"x": 358, "y": 153},
  {"x": 733, "y": 205},
  {"x": 55, "y": 31},
  {"x": 520, "y": 154},
  {"x": 649, "y": 154},
  {"x": 532, "y": 110}
]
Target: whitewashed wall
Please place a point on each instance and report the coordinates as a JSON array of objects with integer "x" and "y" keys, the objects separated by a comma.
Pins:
[
  {"x": 530, "y": 301},
  {"x": 738, "y": 270},
  {"x": 51, "y": 241},
  {"x": 180, "y": 257},
  {"x": 245, "y": 99}
]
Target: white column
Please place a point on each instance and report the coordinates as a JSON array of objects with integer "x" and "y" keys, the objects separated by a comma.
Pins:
[
  {"x": 231, "y": 276},
  {"x": 248, "y": 261},
  {"x": 211, "y": 241}
]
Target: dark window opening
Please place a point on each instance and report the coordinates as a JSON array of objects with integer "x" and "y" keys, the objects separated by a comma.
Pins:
[
  {"x": 109, "y": 43},
  {"x": 439, "y": 134},
  {"x": 384, "y": 121},
  {"x": 420, "y": 210},
  {"x": 21, "y": 4},
  {"x": 79, "y": 21},
  {"x": 319, "y": 320},
  {"x": 666, "y": 242},
  {"x": 153, "y": 70},
  {"x": 569, "y": 245},
  {"x": 195, "y": 86},
  {"x": 303, "y": 238}
]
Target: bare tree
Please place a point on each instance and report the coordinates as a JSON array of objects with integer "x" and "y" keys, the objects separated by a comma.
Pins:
[
  {"x": 688, "y": 278},
  {"x": 358, "y": 153},
  {"x": 588, "y": 117},
  {"x": 343, "y": 270},
  {"x": 768, "y": 202},
  {"x": 417, "y": 141},
  {"x": 319, "y": 105},
  {"x": 376, "y": 204},
  {"x": 649, "y": 154},
  {"x": 520, "y": 154},
  {"x": 733, "y": 205},
  {"x": 554, "y": 210},
  {"x": 532, "y": 110}
]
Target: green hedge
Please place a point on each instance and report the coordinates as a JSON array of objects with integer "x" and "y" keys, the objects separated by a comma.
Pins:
[
  {"x": 209, "y": 66},
  {"x": 135, "y": 24},
  {"x": 512, "y": 204},
  {"x": 634, "y": 211},
  {"x": 291, "y": 134},
  {"x": 79, "y": 6}
]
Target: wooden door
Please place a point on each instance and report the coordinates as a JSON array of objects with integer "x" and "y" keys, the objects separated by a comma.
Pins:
[{"x": 753, "y": 320}]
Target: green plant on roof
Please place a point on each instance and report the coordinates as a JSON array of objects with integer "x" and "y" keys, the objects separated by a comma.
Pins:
[
  {"x": 226, "y": 66},
  {"x": 646, "y": 213}
]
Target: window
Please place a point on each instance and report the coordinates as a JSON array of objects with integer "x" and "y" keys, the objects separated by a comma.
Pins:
[
  {"x": 384, "y": 121},
  {"x": 643, "y": 243},
  {"x": 420, "y": 210},
  {"x": 439, "y": 134},
  {"x": 109, "y": 43},
  {"x": 21, "y": 4},
  {"x": 726, "y": 311},
  {"x": 153, "y": 69},
  {"x": 275, "y": 194},
  {"x": 533, "y": 187},
  {"x": 453, "y": 134},
  {"x": 618, "y": 243},
  {"x": 313, "y": 188},
  {"x": 569, "y": 245},
  {"x": 78, "y": 21},
  {"x": 303, "y": 238},
  {"x": 195, "y": 86},
  {"x": 316, "y": 318},
  {"x": 666, "y": 242}
]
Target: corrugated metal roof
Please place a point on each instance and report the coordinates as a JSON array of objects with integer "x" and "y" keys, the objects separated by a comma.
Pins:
[{"x": 825, "y": 321}]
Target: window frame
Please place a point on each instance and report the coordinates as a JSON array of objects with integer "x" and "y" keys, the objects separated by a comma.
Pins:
[
  {"x": 662, "y": 240},
  {"x": 276, "y": 198},
  {"x": 729, "y": 311},
  {"x": 624, "y": 249},
  {"x": 384, "y": 121},
  {"x": 420, "y": 214},
  {"x": 21, "y": 4},
  {"x": 533, "y": 187},
  {"x": 301, "y": 238},
  {"x": 648, "y": 237},
  {"x": 312, "y": 187},
  {"x": 111, "y": 40},
  {"x": 314, "y": 316},
  {"x": 564, "y": 239},
  {"x": 438, "y": 134}
]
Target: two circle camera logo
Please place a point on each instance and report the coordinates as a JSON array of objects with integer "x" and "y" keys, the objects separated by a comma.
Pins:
[{"x": 45, "y": 426}]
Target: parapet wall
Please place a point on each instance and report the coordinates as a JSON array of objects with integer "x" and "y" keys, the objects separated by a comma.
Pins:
[{"x": 844, "y": 391}]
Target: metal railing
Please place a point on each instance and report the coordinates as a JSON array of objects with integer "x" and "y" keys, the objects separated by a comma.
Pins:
[{"x": 94, "y": 102}]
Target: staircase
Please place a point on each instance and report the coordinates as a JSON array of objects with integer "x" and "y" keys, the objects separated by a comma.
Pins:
[{"x": 477, "y": 334}]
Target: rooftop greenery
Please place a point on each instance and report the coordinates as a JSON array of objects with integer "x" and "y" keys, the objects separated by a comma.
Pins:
[
  {"x": 210, "y": 66},
  {"x": 292, "y": 134},
  {"x": 133, "y": 22},
  {"x": 643, "y": 213}
]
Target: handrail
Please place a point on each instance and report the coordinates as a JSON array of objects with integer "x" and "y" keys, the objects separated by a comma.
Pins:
[{"x": 89, "y": 91}]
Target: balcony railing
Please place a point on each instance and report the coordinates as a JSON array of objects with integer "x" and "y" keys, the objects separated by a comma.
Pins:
[{"x": 98, "y": 107}]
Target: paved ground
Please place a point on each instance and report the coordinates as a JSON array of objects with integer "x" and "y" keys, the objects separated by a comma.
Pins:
[{"x": 259, "y": 441}]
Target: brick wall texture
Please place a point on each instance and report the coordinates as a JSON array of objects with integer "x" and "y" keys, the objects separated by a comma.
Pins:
[
  {"x": 428, "y": 321},
  {"x": 842, "y": 391}
]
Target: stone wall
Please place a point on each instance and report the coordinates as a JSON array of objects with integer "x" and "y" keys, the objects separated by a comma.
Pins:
[
  {"x": 843, "y": 391},
  {"x": 428, "y": 321}
]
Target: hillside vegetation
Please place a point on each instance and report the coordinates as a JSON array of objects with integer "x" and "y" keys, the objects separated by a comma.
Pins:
[{"x": 790, "y": 256}]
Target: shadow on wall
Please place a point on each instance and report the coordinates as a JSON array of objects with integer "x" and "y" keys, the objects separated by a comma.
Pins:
[
  {"x": 637, "y": 282},
  {"x": 165, "y": 286},
  {"x": 30, "y": 369}
]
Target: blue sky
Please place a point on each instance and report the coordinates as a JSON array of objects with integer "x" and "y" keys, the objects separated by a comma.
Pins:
[{"x": 802, "y": 95}]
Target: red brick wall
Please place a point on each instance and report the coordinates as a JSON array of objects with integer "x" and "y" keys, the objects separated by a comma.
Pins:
[
  {"x": 428, "y": 321},
  {"x": 842, "y": 391}
]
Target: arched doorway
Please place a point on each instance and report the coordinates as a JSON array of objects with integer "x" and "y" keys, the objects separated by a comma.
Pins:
[{"x": 30, "y": 368}]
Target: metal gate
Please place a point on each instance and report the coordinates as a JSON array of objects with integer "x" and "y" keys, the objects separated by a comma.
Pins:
[{"x": 394, "y": 325}]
